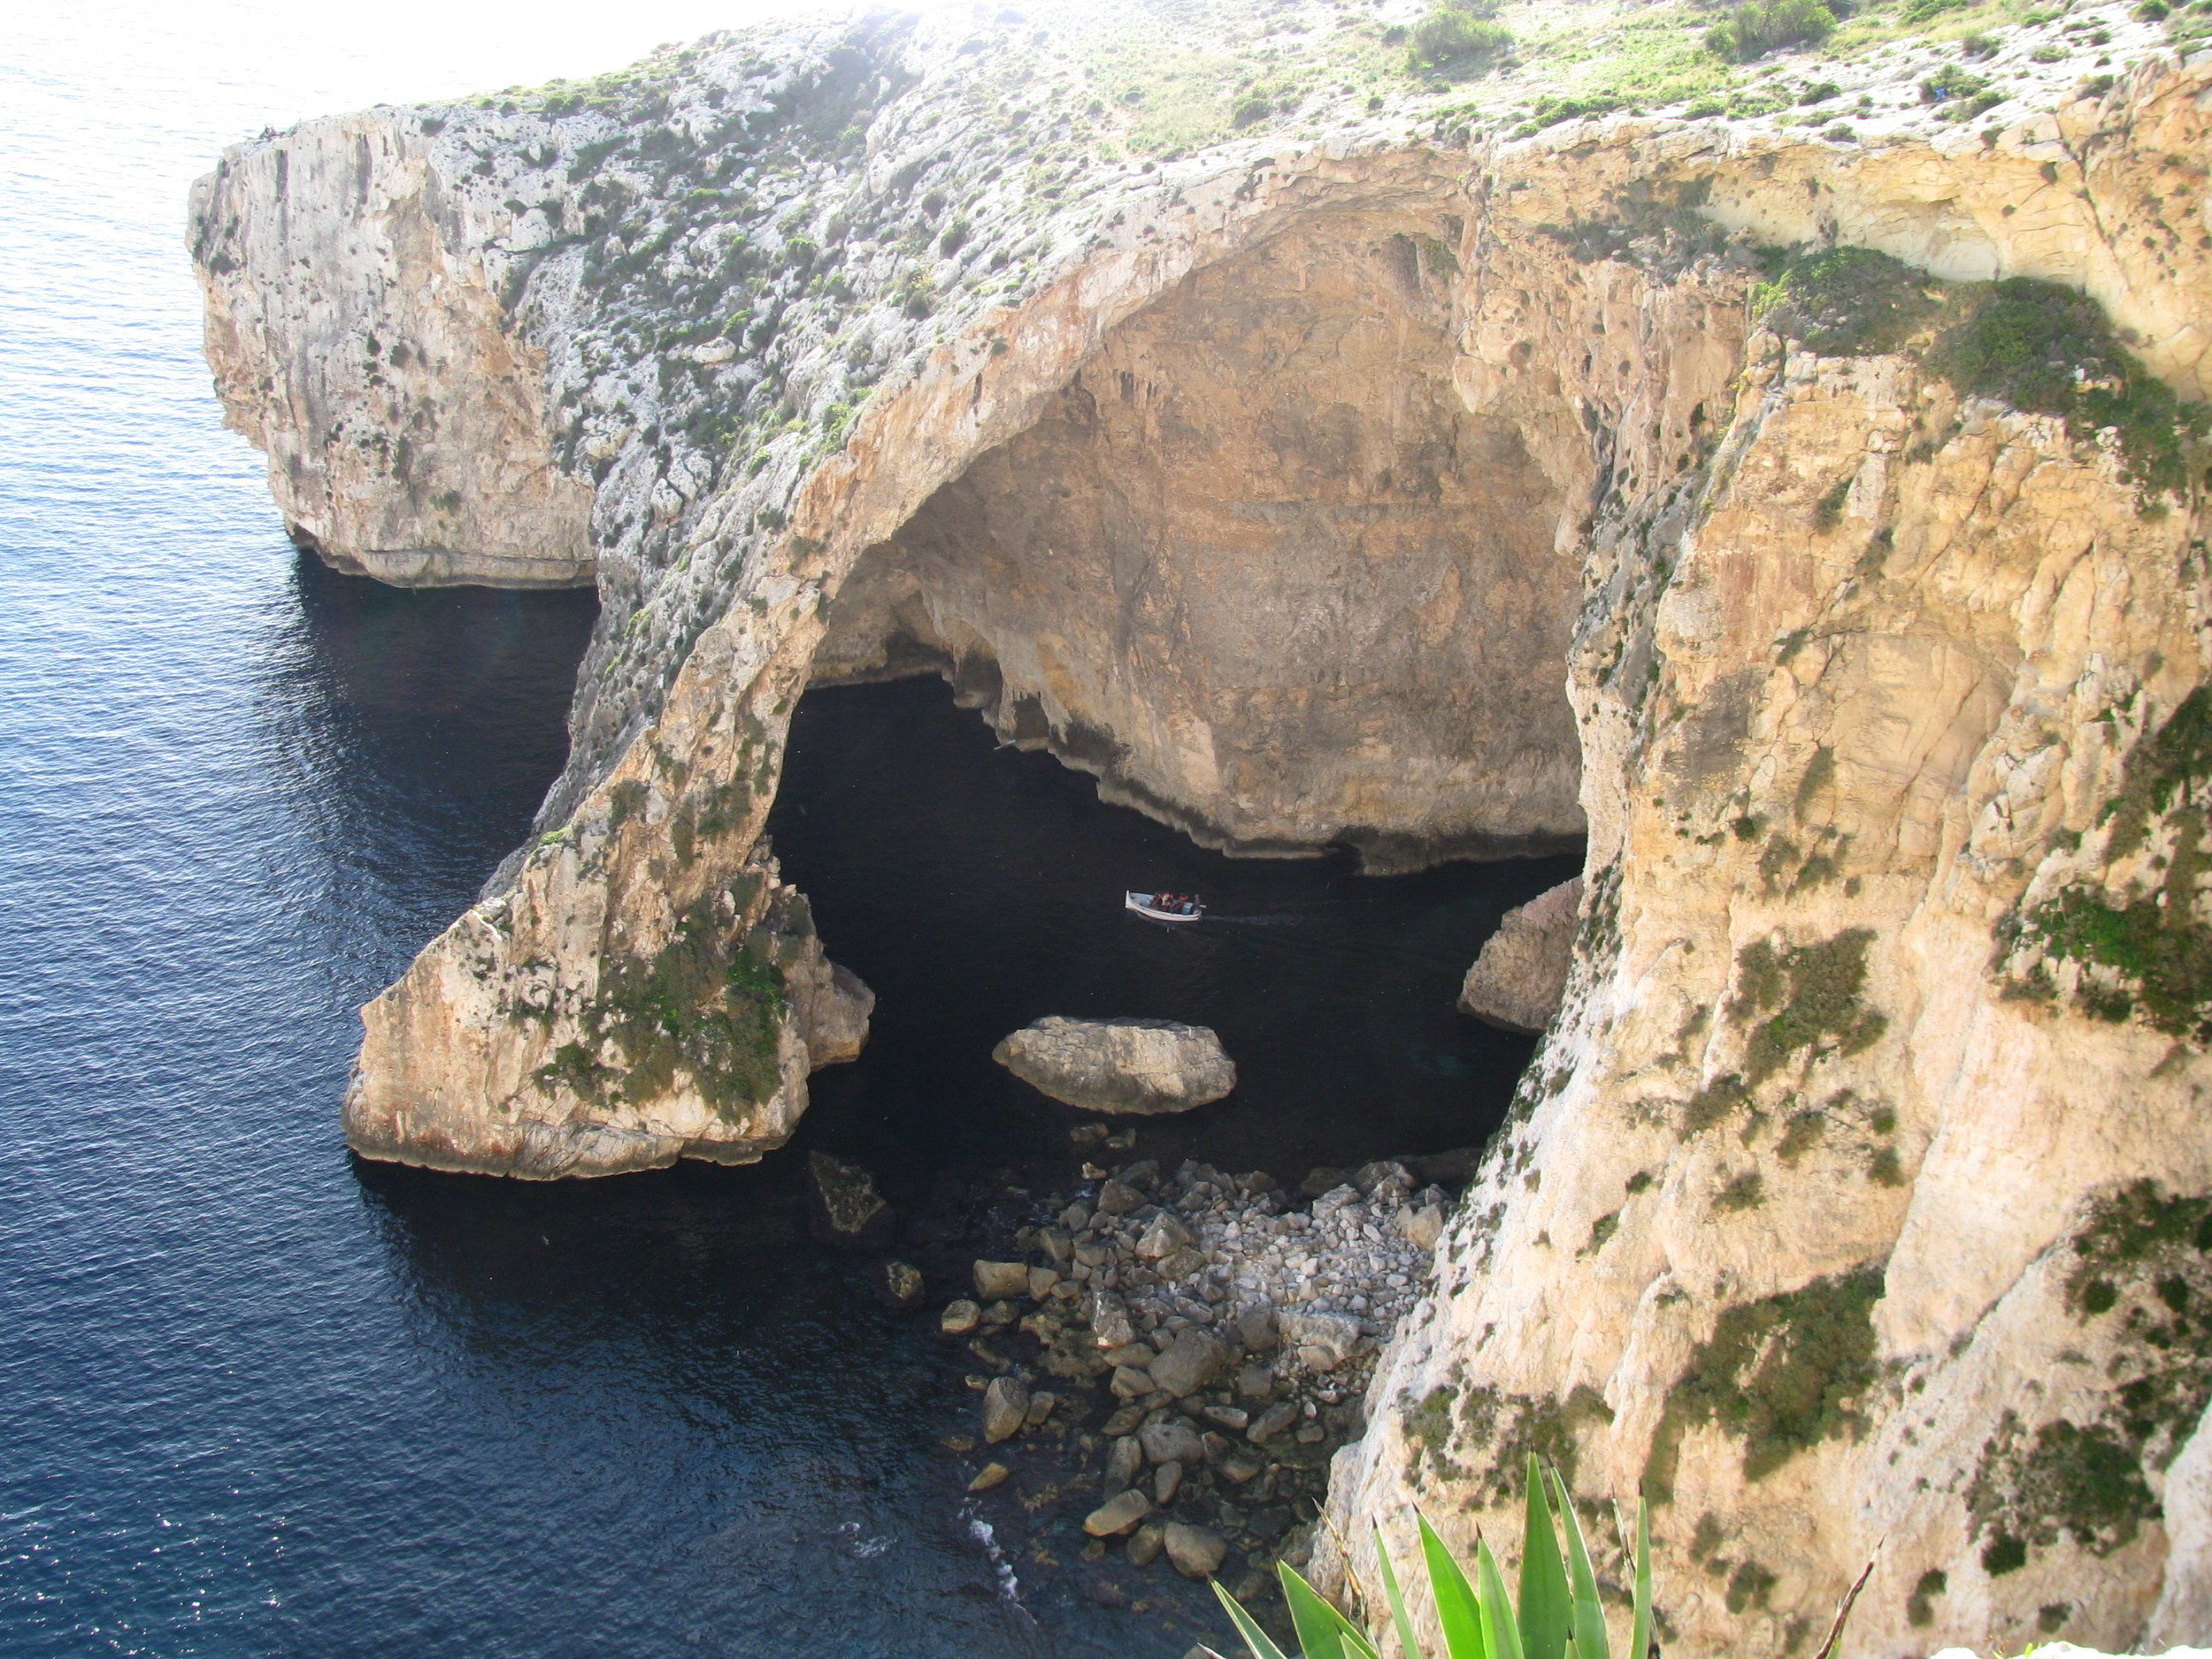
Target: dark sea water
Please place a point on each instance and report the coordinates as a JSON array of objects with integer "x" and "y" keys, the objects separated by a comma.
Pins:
[{"x": 257, "y": 1398}]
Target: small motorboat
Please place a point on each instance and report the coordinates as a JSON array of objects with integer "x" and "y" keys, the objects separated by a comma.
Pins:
[{"x": 1161, "y": 907}]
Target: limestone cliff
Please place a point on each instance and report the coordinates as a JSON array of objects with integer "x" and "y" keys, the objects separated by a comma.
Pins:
[{"x": 1432, "y": 473}]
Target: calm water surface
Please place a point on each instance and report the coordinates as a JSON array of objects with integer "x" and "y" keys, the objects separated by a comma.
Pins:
[{"x": 255, "y": 1398}]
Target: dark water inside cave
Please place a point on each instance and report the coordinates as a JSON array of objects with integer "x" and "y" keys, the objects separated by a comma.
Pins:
[{"x": 976, "y": 889}]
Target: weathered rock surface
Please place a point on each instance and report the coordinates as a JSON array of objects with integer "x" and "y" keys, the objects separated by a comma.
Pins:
[
  {"x": 1518, "y": 980},
  {"x": 1117, "y": 1515},
  {"x": 1005, "y": 1408},
  {"x": 1141, "y": 1066},
  {"x": 1194, "y": 1552},
  {"x": 832, "y": 1006},
  {"x": 1855, "y": 1194},
  {"x": 405, "y": 419},
  {"x": 1796, "y": 1220},
  {"x": 998, "y": 1280}
]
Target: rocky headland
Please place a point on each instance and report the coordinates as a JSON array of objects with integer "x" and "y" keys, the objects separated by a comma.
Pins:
[{"x": 1782, "y": 468}]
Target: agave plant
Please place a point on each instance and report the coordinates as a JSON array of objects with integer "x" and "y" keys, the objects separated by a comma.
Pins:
[{"x": 1559, "y": 1616}]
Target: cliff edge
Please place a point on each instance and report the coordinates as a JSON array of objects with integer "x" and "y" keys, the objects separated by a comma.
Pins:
[{"x": 1791, "y": 483}]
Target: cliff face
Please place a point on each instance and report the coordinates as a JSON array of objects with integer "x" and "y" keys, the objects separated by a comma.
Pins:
[
  {"x": 366, "y": 352},
  {"x": 1362, "y": 485},
  {"x": 1853, "y": 1207}
]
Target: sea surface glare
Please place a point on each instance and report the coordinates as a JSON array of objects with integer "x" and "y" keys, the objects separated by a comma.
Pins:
[{"x": 257, "y": 1398}]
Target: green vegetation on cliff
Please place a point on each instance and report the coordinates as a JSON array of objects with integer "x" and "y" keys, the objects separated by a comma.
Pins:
[
  {"x": 1780, "y": 1375},
  {"x": 1814, "y": 991},
  {"x": 2039, "y": 347},
  {"x": 2144, "y": 953},
  {"x": 710, "y": 1002},
  {"x": 2142, "y": 1278}
]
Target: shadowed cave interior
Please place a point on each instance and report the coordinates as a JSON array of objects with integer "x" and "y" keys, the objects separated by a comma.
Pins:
[{"x": 1259, "y": 570}]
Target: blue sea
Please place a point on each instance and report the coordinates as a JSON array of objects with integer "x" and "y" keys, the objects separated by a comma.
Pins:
[{"x": 259, "y": 1398}]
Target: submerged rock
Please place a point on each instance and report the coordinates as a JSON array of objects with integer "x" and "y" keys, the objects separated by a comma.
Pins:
[
  {"x": 844, "y": 1206},
  {"x": 990, "y": 1476},
  {"x": 1145, "y": 1065},
  {"x": 1521, "y": 974},
  {"x": 899, "y": 1285}
]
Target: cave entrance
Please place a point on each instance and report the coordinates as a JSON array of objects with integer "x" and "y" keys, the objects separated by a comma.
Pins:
[
  {"x": 1259, "y": 569},
  {"x": 976, "y": 888}
]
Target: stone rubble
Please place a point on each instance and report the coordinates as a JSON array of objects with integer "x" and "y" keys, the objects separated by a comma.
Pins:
[{"x": 1233, "y": 1328}]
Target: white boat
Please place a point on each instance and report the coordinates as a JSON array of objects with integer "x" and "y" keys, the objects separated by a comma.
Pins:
[{"x": 1143, "y": 905}]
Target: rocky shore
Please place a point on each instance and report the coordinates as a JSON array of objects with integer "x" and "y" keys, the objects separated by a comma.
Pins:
[{"x": 1177, "y": 1355}]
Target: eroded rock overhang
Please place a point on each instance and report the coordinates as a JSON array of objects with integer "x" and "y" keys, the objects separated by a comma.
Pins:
[{"x": 1259, "y": 566}]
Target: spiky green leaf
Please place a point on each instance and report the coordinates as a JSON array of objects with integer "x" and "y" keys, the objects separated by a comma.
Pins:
[
  {"x": 1458, "y": 1609},
  {"x": 1254, "y": 1639},
  {"x": 1546, "y": 1609},
  {"x": 1588, "y": 1640},
  {"x": 1639, "y": 1631},
  {"x": 1323, "y": 1632},
  {"x": 1407, "y": 1644},
  {"x": 1499, "y": 1628}
]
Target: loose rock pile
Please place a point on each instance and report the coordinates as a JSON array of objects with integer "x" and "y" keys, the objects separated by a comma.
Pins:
[{"x": 1234, "y": 1332}]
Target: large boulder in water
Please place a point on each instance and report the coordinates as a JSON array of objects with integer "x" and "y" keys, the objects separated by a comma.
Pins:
[
  {"x": 1120, "y": 1065},
  {"x": 1521, "y": 974}
]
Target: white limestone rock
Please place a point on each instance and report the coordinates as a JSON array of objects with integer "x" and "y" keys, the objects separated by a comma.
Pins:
[
  {"x": 1521, "y": 975},
  {"x": 1133, "y": 1065}
]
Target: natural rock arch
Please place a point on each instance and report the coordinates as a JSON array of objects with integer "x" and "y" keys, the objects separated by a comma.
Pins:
[{"x": 1260, "y": 568}]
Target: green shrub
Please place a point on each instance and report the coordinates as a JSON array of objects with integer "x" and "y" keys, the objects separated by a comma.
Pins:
[
  {"x": 1549, "y": 111},
  {"x": 1952, "y": 81},
  {"x": 1452, "y": 38},
  {"x": 2049, "y": 350},
  {"x": 1844, "y": 301},
  {"x": 1756, "y": 28}
]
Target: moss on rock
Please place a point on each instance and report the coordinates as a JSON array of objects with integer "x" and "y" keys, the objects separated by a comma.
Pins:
[{"x": 1781, "y": 1374}]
